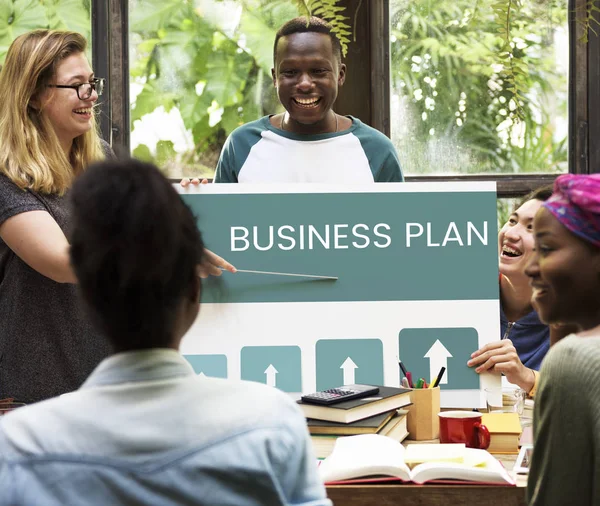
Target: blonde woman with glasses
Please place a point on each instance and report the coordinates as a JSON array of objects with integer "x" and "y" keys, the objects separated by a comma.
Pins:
[{"x": 48, "y": 136}]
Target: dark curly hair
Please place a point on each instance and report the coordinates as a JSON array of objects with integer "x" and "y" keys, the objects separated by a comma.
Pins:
[
  {"x": 316, "y": 25},
  {"x": 135, "y": 247}
]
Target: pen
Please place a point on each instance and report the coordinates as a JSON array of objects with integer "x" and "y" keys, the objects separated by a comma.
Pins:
[
  {"x": 420, "y": 383},
  {"x": 404, "y": 371},
  {"x": 439, "y": 377},
  {"x": 404, "y": 382},
  {"x": 409, "y": 378}
]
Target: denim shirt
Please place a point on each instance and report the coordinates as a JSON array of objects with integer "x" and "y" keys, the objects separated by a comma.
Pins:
[{"x": 144, "y": 429}]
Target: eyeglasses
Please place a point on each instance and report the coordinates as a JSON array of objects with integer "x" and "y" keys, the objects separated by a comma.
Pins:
[{"x": 84, "y": 90}]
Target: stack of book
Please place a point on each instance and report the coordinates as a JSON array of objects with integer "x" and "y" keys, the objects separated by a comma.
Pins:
[{"x": 370, "y": 415}]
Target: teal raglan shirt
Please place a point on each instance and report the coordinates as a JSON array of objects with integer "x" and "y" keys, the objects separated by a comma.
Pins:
[{"x": 257, "y": 152}]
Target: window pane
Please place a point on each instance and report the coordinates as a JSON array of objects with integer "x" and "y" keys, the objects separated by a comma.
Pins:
[
  {"x": 453, "y": 103},
  {"x": 199, "y": 69},
  {"x": 20, "y": 17}
]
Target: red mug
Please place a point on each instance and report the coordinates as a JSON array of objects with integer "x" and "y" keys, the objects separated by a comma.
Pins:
[{"x": 464, "y": 427}]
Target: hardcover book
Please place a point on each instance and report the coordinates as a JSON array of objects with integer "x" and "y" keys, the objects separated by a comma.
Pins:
[
  {"x": 505, "y": 432},
  {"x": 370, "y": 425},
  {"x": 388, "y": 398},
  {"x": 394, "y": 428}
]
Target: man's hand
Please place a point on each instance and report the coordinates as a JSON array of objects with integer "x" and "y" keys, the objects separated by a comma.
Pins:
[
  {"x": 211, "y": 265},
  {"x": 186, "y": 181},
  {"x": 502, "y": 357}
]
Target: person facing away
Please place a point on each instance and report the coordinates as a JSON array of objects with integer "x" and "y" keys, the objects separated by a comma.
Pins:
[
  {"x": 309, "y": 142},
  {"x": 524, "y": 339},
  {"x": 48, "y": 136},
  {"x": 565, "y": 277},
  {"x": 144, "y": 428}
]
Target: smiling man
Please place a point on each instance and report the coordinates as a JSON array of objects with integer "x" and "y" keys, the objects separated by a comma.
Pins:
[{"x": 309, "y": 142}]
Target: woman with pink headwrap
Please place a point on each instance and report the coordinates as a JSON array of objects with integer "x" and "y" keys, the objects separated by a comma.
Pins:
[{"x": 565, "y": 277}]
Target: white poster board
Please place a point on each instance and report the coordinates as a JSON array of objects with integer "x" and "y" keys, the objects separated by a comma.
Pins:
[{"x": 417, "y": 280}]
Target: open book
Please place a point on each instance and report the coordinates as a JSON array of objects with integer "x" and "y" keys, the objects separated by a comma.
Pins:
[{"x": 369, "y": 455}]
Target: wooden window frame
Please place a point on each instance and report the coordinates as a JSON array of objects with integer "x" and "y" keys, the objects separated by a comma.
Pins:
[
  {"x": 366, "y": 93},
  {"x": 110, "y": 59}
]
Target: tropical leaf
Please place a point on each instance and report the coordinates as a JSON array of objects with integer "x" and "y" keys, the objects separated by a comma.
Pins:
[
  {"x": 69, "y": 15},
  {"x": 165, "y": 152},
  {"x": 331, "y": 11},
  {"x": 145, "y": 58},
  {"x": 231, "y": 119},
  {"x": 226, "y": 76},
  {"x": 18, "y": 17},
  {"x": 152, "y": 15},
  {"x": 142, "y": 152},
  {"x": 149, "y": 99},
  {"x": 259, "y": 37},
  {"x": 194, "y": 108},
  {"x": 203, "y": 133}
]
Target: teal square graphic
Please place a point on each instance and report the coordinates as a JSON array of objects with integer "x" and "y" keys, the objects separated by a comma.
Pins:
[
  {"x": 214, "y": 366},
  {"x": 277, "y": 366},
  {"x": 423, "y": 351},
  {"x": 344, "y": 361}
]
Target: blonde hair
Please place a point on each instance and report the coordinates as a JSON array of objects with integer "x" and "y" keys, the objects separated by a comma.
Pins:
[{"x": 31, "y": 155}]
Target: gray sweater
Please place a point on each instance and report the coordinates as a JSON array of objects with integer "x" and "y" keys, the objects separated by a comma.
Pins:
[{"x": 565, "y": 468}]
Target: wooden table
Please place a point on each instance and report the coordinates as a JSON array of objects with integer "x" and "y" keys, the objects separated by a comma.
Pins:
[
  {"x": 432, "y": 495},
  {"x": 425, "y": 495}
]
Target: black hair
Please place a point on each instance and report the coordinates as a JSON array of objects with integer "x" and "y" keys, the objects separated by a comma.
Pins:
[
  {"x": 135, "y": 247},
  {"x": 314, "y": 24},
  {"x": 542, "y": 193}
]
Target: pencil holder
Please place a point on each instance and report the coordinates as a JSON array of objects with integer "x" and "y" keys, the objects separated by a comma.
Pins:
[{"x": 422, "y": 420}]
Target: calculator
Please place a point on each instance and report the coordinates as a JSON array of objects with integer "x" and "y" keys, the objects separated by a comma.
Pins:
[{"x": 340, "y": 394}]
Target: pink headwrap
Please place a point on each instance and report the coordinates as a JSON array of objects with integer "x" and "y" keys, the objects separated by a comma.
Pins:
[{"x": 576, "y": 204}]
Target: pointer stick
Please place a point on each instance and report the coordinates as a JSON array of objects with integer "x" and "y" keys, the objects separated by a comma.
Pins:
[{"x": 287, "y": 274}]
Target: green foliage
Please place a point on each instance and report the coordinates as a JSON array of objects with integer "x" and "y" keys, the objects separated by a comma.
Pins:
[
  {"x": 165, "y": 152},
  {"x": 215, "y": 72},
  {"x": 69, "y": 15},
  {"x": 21, "y": 16},
  {"x": 212, "y": 61},
  {"x": 590, "y": 19},
  {"x": 515, "y": 70},
  {"x": 333, "y": 13},
  {"x": 465, "y": 109},
  {"x": 16, "y": 18},
  {"x": 142, "y": 152},
  {"x": 478, "y": 67}
]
